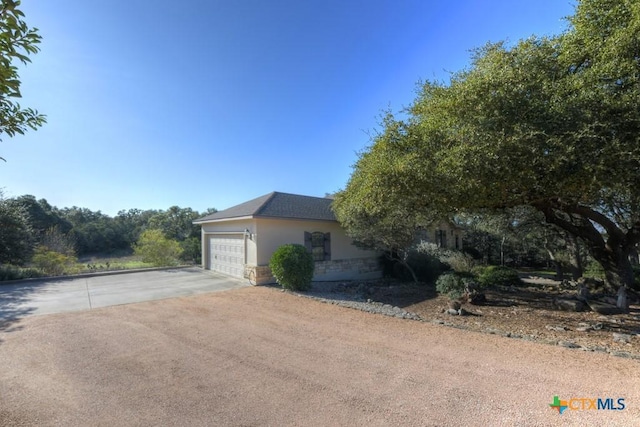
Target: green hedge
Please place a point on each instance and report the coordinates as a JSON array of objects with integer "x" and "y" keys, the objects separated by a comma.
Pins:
[
  {"x": 292, "y": 266},
  {"x": 12, "y": 272},
  {"x": 495, "y": 275}
]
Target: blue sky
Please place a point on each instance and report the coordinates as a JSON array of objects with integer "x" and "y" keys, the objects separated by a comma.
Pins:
[{"x": 205, "y": 103}]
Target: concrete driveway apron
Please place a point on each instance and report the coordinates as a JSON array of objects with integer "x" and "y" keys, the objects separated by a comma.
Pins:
[{"x": 85, "y": 293}]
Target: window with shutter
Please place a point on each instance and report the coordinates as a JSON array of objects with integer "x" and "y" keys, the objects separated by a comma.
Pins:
[{"x": 319, "y": 244}]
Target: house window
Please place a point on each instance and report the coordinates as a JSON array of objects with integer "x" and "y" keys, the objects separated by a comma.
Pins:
[
  {"x": 319, "y": 244},
  {"x": 441, "y": 238}
]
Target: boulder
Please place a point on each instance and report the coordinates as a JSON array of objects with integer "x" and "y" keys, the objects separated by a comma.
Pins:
[
  {"x": 593, "y": 284},
  {"x": 477, "y": 298},
  {"x": 583, "y": 293},
  {"x": 568, "y": 344},
  {"x": 568, "y": 284},
  {"x": 566, "y": 304},
  {"x": 473, "y": 295},
  {"x": 604, "y": 308},
  {"x": 623, "y": 338},
  {"x": 633, "y": 297},
  {"x": 454, "y": 304},
  {"x": 583, "y": 328}
]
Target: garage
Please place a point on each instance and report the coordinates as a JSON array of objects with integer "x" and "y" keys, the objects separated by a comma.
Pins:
[
  {"x": 240, "y": 241},
  {"x": 226, "y": 254}
]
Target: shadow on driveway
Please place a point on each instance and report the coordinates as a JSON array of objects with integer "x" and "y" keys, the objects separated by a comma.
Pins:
[
  {"x": 78, "y": 293},
  {"x": 13, "y": 300}
]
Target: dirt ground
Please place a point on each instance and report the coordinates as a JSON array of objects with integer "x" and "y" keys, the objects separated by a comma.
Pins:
[
  {"x": 525, "y": 312},
  {"x": 258, "y": 357}
]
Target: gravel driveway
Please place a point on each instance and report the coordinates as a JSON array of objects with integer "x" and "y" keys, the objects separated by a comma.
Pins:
[{"x": 257, "y": 357}]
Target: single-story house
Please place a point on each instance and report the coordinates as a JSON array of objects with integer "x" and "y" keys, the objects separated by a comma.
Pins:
[
  {"x": 240, "y": 240},
  {"x": 445, "y": 234}
]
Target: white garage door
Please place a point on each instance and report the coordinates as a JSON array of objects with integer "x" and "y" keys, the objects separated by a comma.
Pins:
[{"x": 227, "y": 254}]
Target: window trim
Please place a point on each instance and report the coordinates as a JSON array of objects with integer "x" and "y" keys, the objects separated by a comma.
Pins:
[{"x": 326, "y": 244}]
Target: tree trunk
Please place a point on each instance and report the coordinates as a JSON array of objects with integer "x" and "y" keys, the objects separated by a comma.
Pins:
[
  {"x": 402, "y": 259},
  {"x": 575, "y": 260},
  {"x": 617, "y": 270},
  {"x": 611, "y": 249},
  {"x": 408, "y": 267},
  {"x": 635, "y": 256},
  {"x": 559, "y": 271},
  {"x": 557, "y": 264}
]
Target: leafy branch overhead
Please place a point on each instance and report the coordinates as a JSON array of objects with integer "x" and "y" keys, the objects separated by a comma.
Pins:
[
  {"x": 549, "y": 122},
  {"x": 17, "y": 42}
]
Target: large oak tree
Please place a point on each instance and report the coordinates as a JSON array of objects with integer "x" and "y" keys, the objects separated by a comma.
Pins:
[{"x": 550, "y": 122}]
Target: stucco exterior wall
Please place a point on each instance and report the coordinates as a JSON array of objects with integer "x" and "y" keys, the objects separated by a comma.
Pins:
[
  {"x": 264, "y": 236},
  {"x": 444, "y": 234},
  {"x": 273, "y": 233},
  {"x": 347, "y": 269}
]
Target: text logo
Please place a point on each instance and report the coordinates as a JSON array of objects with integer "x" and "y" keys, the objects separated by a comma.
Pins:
[
  {"x": 560, "y": 405},
  {"x": 587, "y": 404}
]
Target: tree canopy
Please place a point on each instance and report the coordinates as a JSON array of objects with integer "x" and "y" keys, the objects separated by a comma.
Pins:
[
  {"x": 17, "y": 42},
  {"x": 155, "y": 248},
  {"x": 16, "y": 234},
  {"x": 31, "y": 222},
  {"x": 550, "y": 122}
]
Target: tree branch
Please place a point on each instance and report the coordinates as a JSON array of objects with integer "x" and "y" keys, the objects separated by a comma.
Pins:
[
  {"x": 612, "y": 229},
  {"x": 585, "y": 230}
]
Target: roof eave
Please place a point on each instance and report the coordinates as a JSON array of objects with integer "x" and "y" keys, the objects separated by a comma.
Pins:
[
  {"x": 207, "y": 221},
  {"x": 236, "y": 218},
  {"x": 293, "y": 218}
]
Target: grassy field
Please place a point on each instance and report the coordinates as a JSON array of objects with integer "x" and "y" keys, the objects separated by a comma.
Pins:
[
  {"x": 537, "y": 272},
  {"x": 105, "y": 263},
  {"x": 87, "y": 264}
]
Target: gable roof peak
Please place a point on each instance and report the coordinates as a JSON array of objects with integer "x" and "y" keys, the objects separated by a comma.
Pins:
[{"x": 278, "y": 205}]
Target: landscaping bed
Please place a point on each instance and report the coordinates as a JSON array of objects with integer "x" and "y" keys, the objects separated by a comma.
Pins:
[{"x": 524, "y": 312}]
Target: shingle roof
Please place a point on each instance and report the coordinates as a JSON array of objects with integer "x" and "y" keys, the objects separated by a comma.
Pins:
[{"x": 278, "y": 205}]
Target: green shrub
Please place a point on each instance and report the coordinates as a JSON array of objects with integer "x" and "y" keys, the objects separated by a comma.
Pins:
[
  {"x": 458, "y": 261},
  {"x": 292, "y": 266},
  {"x": 11, "y": 272},
  {"x": 154, "y": 248},
  {"x": 594, "y": 270},
  {"x": 495, "y": 275},
  {"x": 53, "y": 263},
  {"x": 453, "y": 284}
]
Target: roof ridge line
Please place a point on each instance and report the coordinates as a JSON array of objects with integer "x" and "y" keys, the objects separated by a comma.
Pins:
[{"x": 262, "y": 206}]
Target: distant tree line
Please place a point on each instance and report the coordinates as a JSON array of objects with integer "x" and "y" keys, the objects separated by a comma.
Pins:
[{"x": 27, "y": 224}]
